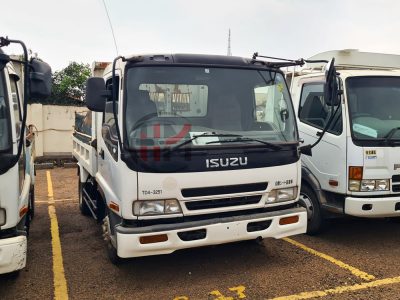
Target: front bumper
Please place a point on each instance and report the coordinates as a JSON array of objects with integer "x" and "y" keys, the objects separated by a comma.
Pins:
[
  {"x": 372, "y": 207},
  {"x": 218, "y": 231},
  {"x": 12, "y": 254}
]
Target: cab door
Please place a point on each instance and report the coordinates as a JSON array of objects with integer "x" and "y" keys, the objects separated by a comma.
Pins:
[{"x": 328, "y": 160}]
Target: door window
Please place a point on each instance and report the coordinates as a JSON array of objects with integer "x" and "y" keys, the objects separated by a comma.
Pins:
[{"x": 315, "y": 112}]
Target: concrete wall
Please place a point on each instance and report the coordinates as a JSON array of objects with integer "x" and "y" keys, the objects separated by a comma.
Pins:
[{"x": 55, "y": 125}]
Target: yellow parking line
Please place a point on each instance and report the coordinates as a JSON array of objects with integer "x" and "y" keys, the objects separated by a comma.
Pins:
[
  {"x": 354, "y": 271},
  {"x": 60, "y": 283},
  {"x": 341, "y": 289}
]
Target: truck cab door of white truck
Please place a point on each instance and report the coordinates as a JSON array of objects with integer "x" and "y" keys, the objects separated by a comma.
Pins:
[{"x": 328, "y": 160}]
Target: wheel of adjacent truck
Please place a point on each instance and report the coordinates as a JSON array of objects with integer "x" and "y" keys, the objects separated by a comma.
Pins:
[
  {"x": 31, "y": 212},
  {"x": 309, "y": 200},
  {"x": 83, "y": 207}
]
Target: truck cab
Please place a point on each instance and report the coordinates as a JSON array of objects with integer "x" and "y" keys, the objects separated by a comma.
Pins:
[
  {"x": 355, "y": 168},
  {"x": 188, "y": 151},
  {"x": 16, "y": 157}
]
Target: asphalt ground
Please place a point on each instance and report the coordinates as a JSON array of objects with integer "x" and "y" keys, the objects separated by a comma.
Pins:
[{"x": 352, "y": 259}]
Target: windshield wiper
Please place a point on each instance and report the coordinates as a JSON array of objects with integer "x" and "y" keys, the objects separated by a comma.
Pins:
[
  {"x": 389, "y": 136},
  {"x": 205, "y": 134},
  {"x": 246, "y": 139}
]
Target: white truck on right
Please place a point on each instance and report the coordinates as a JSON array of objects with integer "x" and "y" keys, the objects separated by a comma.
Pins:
[{"x": 355, "y": 168}]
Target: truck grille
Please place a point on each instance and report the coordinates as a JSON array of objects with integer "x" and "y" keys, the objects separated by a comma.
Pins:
[
  {"x": 396, "y": 183},
  {"x": 225, "y": 202},
  {"x": 225, "y": 189}
]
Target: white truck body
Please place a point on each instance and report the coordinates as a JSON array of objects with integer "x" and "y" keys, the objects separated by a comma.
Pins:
[
  {"x": 16, "y": 185},
  {"x": 223, "y": 196},
  {"x": 357, "y": 140}
]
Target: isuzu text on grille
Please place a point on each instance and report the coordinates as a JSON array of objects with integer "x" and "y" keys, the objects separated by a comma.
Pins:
[{"x": 226, "y": 162}]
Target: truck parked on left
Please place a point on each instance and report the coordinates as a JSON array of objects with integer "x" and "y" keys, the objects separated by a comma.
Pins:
[{"x": 21, "y": 78}]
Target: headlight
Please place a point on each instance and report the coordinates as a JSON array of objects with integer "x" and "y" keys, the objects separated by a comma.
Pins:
[
  {"x": 2, "y": 216},
  {"x": 369, "y": 185},
  {"x": 156, "y": 207},
  {"x": 354, "y": 185},
  {"x": 382, "y": 185},
  {"x": 281, "y": 195}
]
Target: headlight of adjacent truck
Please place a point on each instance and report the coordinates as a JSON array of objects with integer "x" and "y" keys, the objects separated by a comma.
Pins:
[
  {"x": 281, "y": 195},
  {"x": 156, "y": 207},
  {"x": 3, "y": 218}
]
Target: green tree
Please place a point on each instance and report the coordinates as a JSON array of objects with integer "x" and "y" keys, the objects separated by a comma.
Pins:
[{"x": 69, "y": 83}]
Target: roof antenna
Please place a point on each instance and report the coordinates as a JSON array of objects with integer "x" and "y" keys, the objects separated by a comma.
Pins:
[
  {"x": 111, "y": 27},
  {"x": 229, "y": 43}
]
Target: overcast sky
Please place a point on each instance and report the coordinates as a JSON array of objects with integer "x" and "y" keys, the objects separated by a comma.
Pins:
[{"x": 61, "y": 31}]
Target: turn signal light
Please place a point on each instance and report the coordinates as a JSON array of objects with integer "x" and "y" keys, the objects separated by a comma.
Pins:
[
  {"x": 151, "y": 239},
  {"x": 289, "y": 220},
  {"x": 114, "y": 206},
  {"x": 355, "y": 173},
  {"x": 23, "y": 211}
]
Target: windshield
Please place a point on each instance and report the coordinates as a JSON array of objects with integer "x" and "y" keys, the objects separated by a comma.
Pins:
[
  {"x": 374, "y": 105},
  {"x": 197, "y": 106},
  {"x": 4, "y": 117}
]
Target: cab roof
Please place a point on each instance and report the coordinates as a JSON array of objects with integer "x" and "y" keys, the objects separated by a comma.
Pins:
[{"x": 185, "y": 59}]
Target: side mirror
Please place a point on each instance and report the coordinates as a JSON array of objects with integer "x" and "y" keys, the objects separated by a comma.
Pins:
[
  {"x": 306, "y": 150},
  {"x": 40, "y": 79},
  {"x": 331, "y": 89},
  {"x": 96, "y": 94},
  {"x": 4, "y": 59}
]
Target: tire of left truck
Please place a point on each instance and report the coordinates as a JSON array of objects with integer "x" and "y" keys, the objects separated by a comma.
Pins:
[
  {"x": 82, "y": 204},
  {"x": 31, "y": 213}
]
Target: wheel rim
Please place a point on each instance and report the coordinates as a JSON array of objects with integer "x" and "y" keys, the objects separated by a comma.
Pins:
[{"x": 306, "y": 202}]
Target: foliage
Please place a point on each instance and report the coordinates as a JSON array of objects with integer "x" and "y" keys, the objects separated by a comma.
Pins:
[{"x": 70, "y": 82}]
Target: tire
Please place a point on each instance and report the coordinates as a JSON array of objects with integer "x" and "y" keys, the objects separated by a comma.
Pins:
[
  {"x": 31, "y": 213},
  {"x": 112, "y": 255},
  {"x": 309, "y": 200},
  {"x": 111, "y": 250},
  {"x": 83, "y": 207}
]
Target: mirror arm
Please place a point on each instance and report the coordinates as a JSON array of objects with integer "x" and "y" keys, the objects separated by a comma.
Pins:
[
  {"x": 114, "y": 100},
  {"x": 6, "y": 42}
]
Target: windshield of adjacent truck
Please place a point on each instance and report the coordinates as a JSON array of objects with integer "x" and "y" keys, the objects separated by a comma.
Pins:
[
  {"x": 374, "y": 105},
  {"x": 198, "y": 106},
  {"x": 4, "y": 117}
]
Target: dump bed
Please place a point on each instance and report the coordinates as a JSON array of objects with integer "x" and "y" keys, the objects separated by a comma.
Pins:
[{"x": 84, "y": 142}]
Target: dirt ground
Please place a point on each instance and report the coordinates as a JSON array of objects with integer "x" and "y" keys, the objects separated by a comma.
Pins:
[{"x": 353, "y": 259}]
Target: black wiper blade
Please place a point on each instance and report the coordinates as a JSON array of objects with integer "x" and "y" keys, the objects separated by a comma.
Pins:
[
  {"x": 245, "y": 139},
  {"x": 391, "y": 133},
  {"x": 205, "y": 134}
]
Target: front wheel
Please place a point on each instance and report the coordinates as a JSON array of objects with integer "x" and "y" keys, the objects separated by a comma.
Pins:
[
  {"x": 112, "y": 251},
  {"x": 309, "y": 201}
]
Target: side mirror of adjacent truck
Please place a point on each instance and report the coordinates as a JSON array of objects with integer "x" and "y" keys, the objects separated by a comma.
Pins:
[
  {"x": 96, "y": 94},
  {"x": 40, "y": 79},
  {"x": 4, "y": 59},
  {"x": 306, "y": 150},
  {"x": 331, "y": 88}
]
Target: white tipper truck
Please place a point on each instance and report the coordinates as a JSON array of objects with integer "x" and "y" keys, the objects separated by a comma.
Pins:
[
  {"x": 188, "y": 150},
  {"x": 19, "y": 80},
  {"x": 355, "y": 169}
]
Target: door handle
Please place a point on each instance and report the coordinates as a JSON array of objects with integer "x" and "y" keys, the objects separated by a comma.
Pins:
[
  {"x": 101, "y": 153},
  {"x": 319, "y": 133}
]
